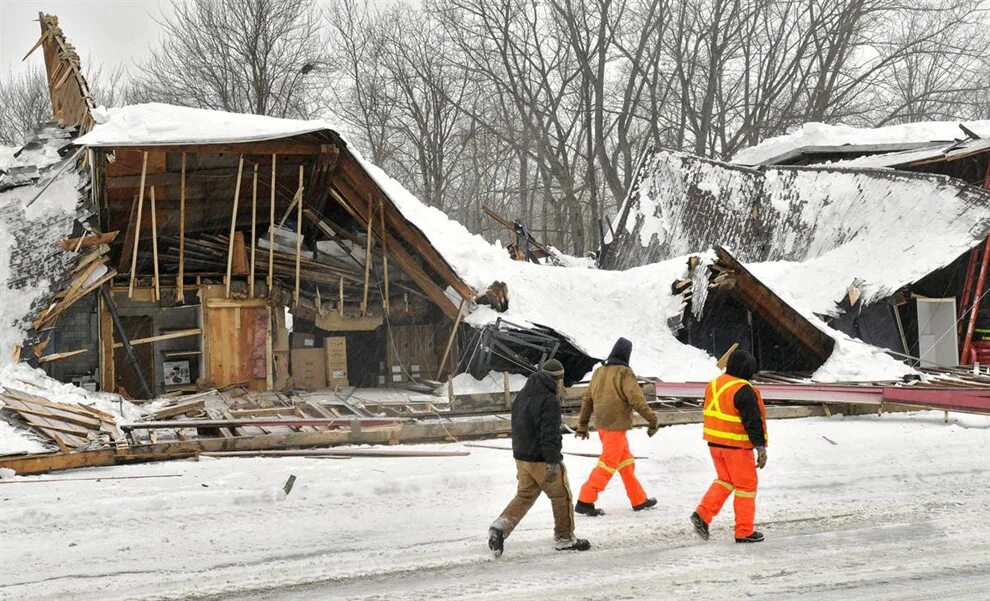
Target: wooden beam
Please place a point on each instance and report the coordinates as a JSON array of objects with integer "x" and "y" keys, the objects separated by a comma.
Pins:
[
  {"x": 233, "y": 225},
  {"x": 107, "y": 374},
  {"x": 299, "y": 199},
  {"x": 757, "y": 297},
  {"x": 453, "y": 334},
  {"x": 271, "y": 230},
  {"x": 137, "y": 225},
  {"x": 384, "y": 235},
  {"x": 367, "y": 257},
  {"x": 154, "y": 246},
  {"x": 74, "y": 244},
  {"x": 160, "y": 337},
  {"x": 180, "y": 293},
  {"x": 254, "y": 234},
  {"x": 60, "y": 356}
]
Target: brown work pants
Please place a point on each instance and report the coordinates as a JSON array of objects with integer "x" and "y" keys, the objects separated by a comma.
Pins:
[{"x": 532, "y": 481}]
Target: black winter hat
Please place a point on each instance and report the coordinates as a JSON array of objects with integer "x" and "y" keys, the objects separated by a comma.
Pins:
[
  {"x": 553, "y": 368},
  {"x": 741, "y": 365},
  {"x": 620, "y": 353}
]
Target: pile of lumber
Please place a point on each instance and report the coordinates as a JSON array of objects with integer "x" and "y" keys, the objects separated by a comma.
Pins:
[{"x": 68, "y": 426}]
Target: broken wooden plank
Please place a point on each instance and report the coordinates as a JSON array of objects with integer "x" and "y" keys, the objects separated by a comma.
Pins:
[
  {"x": 75, "y": 244},
  {"x": 160, "y": 337},
  {"x": 137, "y": 226}
]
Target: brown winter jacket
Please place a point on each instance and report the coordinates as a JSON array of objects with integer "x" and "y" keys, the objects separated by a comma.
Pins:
[{"x": 612, "y": 396}]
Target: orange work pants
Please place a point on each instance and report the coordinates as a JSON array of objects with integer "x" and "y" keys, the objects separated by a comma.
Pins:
[
  {"x": 736, "y": 469},
  {"x": 615, "y": 457}
]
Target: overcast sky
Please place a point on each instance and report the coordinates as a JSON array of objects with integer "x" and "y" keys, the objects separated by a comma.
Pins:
[{"x": 108, "y": 32}]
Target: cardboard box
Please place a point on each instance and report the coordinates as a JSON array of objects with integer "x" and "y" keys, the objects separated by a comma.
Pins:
[
  {"x": 280, "y": 340},
  {"x": 176, "y": 372},
  {"x": 335, "y": 355},
  {"x": 309, "y": 368},
  {"x": 302, "y": 340}
]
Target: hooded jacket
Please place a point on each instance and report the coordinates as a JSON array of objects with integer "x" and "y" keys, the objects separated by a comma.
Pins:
[
  {"x": 536, "y": 421},
  {"x": 614, "y": 393},
  {"x": 742, "y": 365}
]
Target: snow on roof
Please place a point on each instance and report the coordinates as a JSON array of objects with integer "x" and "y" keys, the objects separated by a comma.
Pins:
[
  {"x": 947, "y": 151},
  {"x": 816, "y": 135},
  {"x": 164, "y": 124},
  {"x": 591, "y": 307}
]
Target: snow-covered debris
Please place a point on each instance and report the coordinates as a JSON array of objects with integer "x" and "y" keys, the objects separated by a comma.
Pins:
[
  {"x": 896, "y": 137},
  {"x": 494, "y": 382},
  {"x": 40, "y": 203}
]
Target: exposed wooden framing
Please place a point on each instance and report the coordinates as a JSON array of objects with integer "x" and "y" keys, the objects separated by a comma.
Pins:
[
  {"x": 254, "y": 235},
  {"x": 450, "y": 340},
  {"x": 755, "y": 296},
  {"x": 259, "y": 147},
  {"x": 41, "y": 464},
  {"x": 271, "y": 229},
  {"x": 236, "y": 303},
  {"x": 87, "y": 241},
  {"x": 270, "y": 353},
  {"x": 112, "y": 308},
  {"x": 233, "y": 225},
  {"x": 137, "y": 225},
  {"x": 107, "y": 374},
  {"x": 154, "y": 245},
  {"x": 160, "y": 337},
  {"x": 367, "y": 256},
  {"x": 68, "y": 302},
  {"x": 180, "y": 293},
  {"x": 60, "y": 356},
  {"x": 340, "y": 301},
  {"x": 384, "y": 234},
  {"x": 299, "y": 199}
]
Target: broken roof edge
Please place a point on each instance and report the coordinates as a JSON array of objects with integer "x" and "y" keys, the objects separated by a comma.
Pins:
[{"x": 848, "y": 148}]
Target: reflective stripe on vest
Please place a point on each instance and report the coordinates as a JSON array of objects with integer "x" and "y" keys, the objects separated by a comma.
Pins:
[{"x": 620, "y": 467}]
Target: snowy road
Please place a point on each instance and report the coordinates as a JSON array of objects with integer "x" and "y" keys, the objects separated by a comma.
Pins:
[{"x": 896, "y": 508}]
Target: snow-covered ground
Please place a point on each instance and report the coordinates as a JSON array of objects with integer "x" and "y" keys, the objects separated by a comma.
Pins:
[{"x": 853, "y": 508}]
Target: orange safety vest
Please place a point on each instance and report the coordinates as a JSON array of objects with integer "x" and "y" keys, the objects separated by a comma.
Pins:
[{"x": 722, "y": 422}]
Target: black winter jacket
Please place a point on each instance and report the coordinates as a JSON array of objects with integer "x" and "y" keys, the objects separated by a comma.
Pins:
[{"x": 536, "y": 421}]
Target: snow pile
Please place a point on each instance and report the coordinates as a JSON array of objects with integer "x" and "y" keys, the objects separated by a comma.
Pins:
[
  {"x": 493, "y": 382},
  {"x": 7, "y": 156},
  {"x": 21, "y": 376},
  {"x": 169, "y": 124},
  {"x": 821, "y": 134},
  {"x": 591, "y": 307}
]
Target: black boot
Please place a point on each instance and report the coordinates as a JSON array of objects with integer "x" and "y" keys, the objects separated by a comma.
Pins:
[
  {"x": 571, "y": 544},
  {"x": 699, "y": 525},
  {"x": 755, "y": 537},
  {"x": 587, "y": 509},
  {"x": 496, "y": 541},
  {"x": 645, "y": 505}
]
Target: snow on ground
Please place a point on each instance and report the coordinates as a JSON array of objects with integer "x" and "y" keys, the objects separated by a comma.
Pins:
[
  {"x": 821, "y": 134},
  {"x": 866, "y": 508}
]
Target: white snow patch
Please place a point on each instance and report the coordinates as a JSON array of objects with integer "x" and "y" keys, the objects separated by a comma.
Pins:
[
  {"x": 23, "y": 377},
  {"x": 822, "y": 134},
  {"x": 493, "y": 382},
  {"x": 7, "y": 156}
]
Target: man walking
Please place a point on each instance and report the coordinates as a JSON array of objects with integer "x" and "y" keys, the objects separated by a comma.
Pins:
[
  {"x": 735, "y": 424},
  {"x": 536, "y": 446},
  {"x": 612, "y": 396}
]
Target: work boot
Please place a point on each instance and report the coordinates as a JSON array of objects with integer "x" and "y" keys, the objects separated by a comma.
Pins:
[
  {"x": 571, "y": 544},
  {"x": 755, "y": 537},
  {"x": 645, "y": 505},
  {"x": 496, "y": 541},
  {"x": 700, "y": 526},
  {"x": 587, "y": 509}
]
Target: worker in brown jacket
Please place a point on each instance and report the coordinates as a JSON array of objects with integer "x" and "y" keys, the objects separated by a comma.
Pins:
[{"x": 612, "y": 396}]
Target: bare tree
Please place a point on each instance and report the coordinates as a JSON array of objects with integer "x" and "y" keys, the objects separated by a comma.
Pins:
[{"x": 249, "y": 56}]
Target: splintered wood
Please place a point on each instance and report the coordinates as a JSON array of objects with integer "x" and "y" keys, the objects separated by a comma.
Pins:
[{"x": 68, "y": 426}]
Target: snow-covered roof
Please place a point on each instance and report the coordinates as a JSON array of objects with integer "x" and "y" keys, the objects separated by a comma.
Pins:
[
  {"x": 821, "y": 137},
  {"x": 946, "y": 151},
  {"x": 164, "y": 124}
]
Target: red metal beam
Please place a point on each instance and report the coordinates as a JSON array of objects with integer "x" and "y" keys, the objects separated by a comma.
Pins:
[{"x": 977, "y": 297}]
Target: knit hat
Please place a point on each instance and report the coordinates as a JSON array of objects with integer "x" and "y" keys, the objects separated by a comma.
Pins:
[{"x": 553, "y": 368}]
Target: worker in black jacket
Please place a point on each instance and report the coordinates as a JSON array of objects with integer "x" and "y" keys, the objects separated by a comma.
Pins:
[
  {"x": 536, "y": 446},
  {"x": 735, "y": 426}
]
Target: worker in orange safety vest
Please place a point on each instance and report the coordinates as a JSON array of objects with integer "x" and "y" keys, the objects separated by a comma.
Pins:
[{"x": 735, "y": 423}]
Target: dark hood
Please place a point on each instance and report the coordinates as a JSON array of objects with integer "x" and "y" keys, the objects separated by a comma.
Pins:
[
  {"x": 741, "y": 365},
  {"x": 539, "y": 383},
  {"x": 620, "y": 353}
]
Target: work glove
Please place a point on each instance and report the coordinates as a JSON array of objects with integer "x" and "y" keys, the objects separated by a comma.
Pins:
[
  {"x": 652, "y": 429},
  {"x": 761, "y": 457},
  {"x": 582, "y": 433},
  {"x": 553, "y": 471}
]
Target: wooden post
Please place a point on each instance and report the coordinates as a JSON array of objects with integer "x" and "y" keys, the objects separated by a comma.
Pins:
[
  {"x": 977, "y": 296},
  {"x": 180, "y": 292},
  {"x": 112, "y": 308},
  {"x": 367, "y": 258},
  {"x": 137, "y": 225},
  {"x": 299, "y": 197},
  {"x": 271, "y": 232},
  {"x": 340, "y": 302},
  {"x": 384, "y": 235},
  {"x": 107, "y": 376},
  {"x": 233, "y": 225},
  {"x": 505, "y": 387},
  {"x": 450, "y": 341},
  {"x": 154, "y": 244},
  {"x": 254, "y": 236}
]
